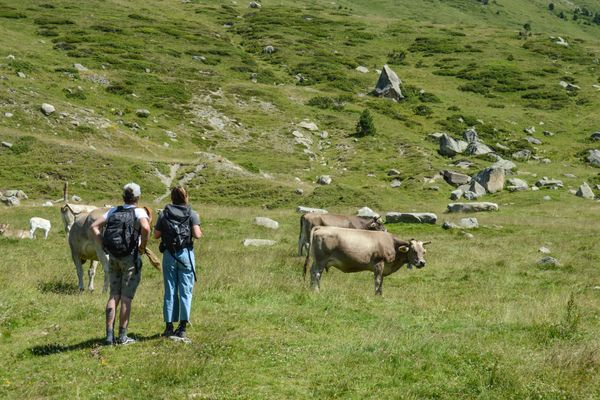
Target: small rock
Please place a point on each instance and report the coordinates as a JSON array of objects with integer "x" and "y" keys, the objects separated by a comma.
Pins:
[
  {"x": 456, "y": 194},
  {"x": 547, "y": 198},
  {"x": 21, "y": 75},
  {"x": 299, "y": 191},
  {"x": 76, "y": 198},
  {"x": 522, "y": 155},
  {"x": 545, "y": 161},
  {"x": 8, "y": 114},
  {"x": 258, "y": 242},
  {"x": 254, "y": 4},
  {"x": 455, "y": 178},
  {"x": 396, "y": 183},
  {"x": 548, "y": 261},
  {"x": 304, "y": 210},
  {"x": 595, "y": 136},
  {"x": 48, "y": 109},
  {"x": 469, "y": 223},
  {"x": 516, "y": 184},
  {"x": 567, "y": 175},
  {"x": 7, "y": 144},
  {"x": 324, "y": 135},
  {"x": 269, "y": 50},
  {"x": 492, "y": 179},
  {"x": 548, "y": 133},
  {"x": 451, "y": 147},
  {"x": 362, "y": 69},
  {"x": 10, "y": 57},
  {"x": 593, "y": 157},
  {"x": 393, "y": 172},
  {"x": 311, "y": 126},
  {"x": 266, "y": 222},
  {"x": 142, "y": 113},
  {"x": 478, "y": 149},
  {"x": 11, "y": 201},
  {"x": 468, "y": 235},
  {"x": 530, "y": 130},
  {"x": 533, "y": 140},
  {"x": 546, "y": 183},
  {"x": 324, "y": 180},
  {"x": 506, "y": 165},
  {"x": 79, "y": 67},
  {"x": 449, "y": 225},
  {"x": 544, "y": 250},
  {"x": 367, "y": 212},
  {"x": 585, "y": 191}
]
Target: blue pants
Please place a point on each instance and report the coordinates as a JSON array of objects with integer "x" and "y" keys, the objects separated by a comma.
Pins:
[{"x": 179, "y": 283}]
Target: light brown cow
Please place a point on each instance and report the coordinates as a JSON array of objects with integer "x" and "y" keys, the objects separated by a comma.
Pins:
[
  {"x": 69, "y": 212},
  {"x": 351, "y": 250},
  {"x": 7, "y": 231},
  {"x": 311, "y": 220}
]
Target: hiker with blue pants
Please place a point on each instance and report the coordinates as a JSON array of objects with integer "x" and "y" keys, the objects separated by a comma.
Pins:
[{"x": 177, "y": 226}]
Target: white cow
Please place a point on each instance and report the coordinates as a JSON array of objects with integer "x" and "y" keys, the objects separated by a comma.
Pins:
[{"x": 39, "y": 223}]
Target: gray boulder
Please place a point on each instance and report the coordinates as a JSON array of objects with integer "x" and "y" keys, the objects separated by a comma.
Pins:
[
  {"x": 396, "y": 183},
  {"x": 585, "y": 191},
  {"x": 456, "y": 178},
  {"x": 411, "y": 218},
  {"x": 19, "y": 194},
  {"x": 475, "y": 191},
  {"x": 492, "y": 179},
  {"x": 142, "y": 113},
  {"x": 304, "y": 210},
  {"x": 469, "y": 223},
  {"x": 478, "y": 149},
  {"x": 533, "y": 140},
  {"x": 450, "y": 147},
  {"x": 470, "y": 135},
  {"x": 48, "y": 109},
  {"x": 516, "y": 185},
  {"x": 472, "y": 207},
  {"x": 595, "y": 136},
  {"x": 258, "y": 242},
  {"x": 11, "y": 201},
  {"x": 548, "y": 261},
  {"x": 367, "y": 212},
  {"x": 522, "y": 155},
  {"x": 324, "y": 180},
  {"x": 266, "y": 222},
  {"x": 546, "y": 183},
  {"x": 593, "y": 157},
  {"x": 456, "y": 194},
  {"x": 388, "y": 85},
  {"x": 506, "y": 165}
]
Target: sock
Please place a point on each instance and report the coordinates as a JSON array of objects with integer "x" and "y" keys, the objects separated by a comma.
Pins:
[
  {"x": 122, "y": 332},
  {"x": 110, "y": 335}
]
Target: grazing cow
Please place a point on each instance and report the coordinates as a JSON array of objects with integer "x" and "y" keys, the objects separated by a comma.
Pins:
[
  {"x": 311, "y": 220},
  {"x": 351, "y": 250},
  {"x": 84, "y": 247},
  {"x": 39, "y": 223},
  {"x": 7, "y": 231},
  {"x": 70, "y": 211}
]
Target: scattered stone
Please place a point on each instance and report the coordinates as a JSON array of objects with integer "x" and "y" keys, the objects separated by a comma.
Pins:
[
  {"x": 545, "y": 161},
  {"x": 547, "y": 198},
  {"x": 8, "y": 114},
  {"x": 299, "y": 191},
  {"x": 21, "y": 75},
  {"x": 456, "y": 178},
  {"x": 595, "y": 136},
  {"x": 475, "y": 191},
  {"x": 258, "y": 242},
  {"x": 396, "y": 183},
  {"x": 449, "y": 225},
  {"x": 10, "y": 57},
  {"x": 546, "y": 183},
  {"x": 585, "y": 191},
  {"x": 79, "y": 67},
  {"x": 324, "y": 180},
  {"x": 362, "y": 69},
  {"x": 367, "y": 212},
  {"x": 411, "y": 218},
  {"x": 506, "y": 165},
  {"x": 470, "y": 135},
  {"x": 569, "y": 176},
  {"x": 530, "y": 130},
  {"x": 544, "y": 250},
  {"x": 464, "y": 164},
  {"x": 561, "y": 42},
  {"x": 171, "y": 135},
  {"x": 311, "y": 126},
  {"x": 478, "y": 149},
  {"x": 19, "y": 194},
  {"x": 254, "y": 4},
  {"x": 48, "y": 109},
  {"x": 324, "y": 135},
  {"x": 500, "y": 146},
  {"x": 76, "y": 198},
  {"x": 492, "y": 179},
  {"x": 266, "y": 222},
  {"x": 450, "y": 147},
  {"x": 568, "y": 86},
  {"x": 304, "y": 210},
  {"x": 456, "y": 194},
  {"x": 548, "y": 133},
  {"x": 269, "y": 49},
  {"x": 436, "y": 136},
  {"x": 593, "y": 157},
  {"x": 388, "y": 85},
  {"x": 548, "y": 261},
  {"x": 472, "y": 207},
  {"x": 469, "y": 223},
  {"x": 142, "y": 113},
  {"x": 198, "y": 58},
  {"x": 11, "y": 201},
  {"x": 393, "y": 172},
  {"x": 522, "y": 155},
  {"x": 7, "y": 144},
  {"x": 533, "y": 140},
  {"x": 516, "y": 185},
  {"x": 468, "y": 235}
]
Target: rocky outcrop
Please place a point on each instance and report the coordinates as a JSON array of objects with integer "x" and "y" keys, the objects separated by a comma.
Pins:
[
  {"x": 472, "y": 207},
  {"x": 388, "y": 85},
  {"x": 410, "y": 218},
  {"x": 492, "y": 179}
]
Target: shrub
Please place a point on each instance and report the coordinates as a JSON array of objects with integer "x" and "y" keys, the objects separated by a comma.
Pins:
[
  {"x": 365, "y": 125},
  {"x": 396, "y": 57},
  {"x": 423, "y": 110},
  {"x": 23, "y": 145}
]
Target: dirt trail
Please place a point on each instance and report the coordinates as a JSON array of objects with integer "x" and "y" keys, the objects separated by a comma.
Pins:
[{"x": 166, "y": 180}]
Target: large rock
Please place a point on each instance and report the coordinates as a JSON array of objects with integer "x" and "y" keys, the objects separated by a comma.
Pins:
[
  {"x": 411, "y": 218},
  {"x": 593, "y": 157},
  {"x": 506, "y": 165},
  {"x": 472, "y": 207},
  {"x": 48, "y": 109},
  {"x": 19, "y": 194},
  {"x": 367, "y": 212},
  {"x": 324, "y": 180},
  {"x": 456, "y": 178},
  {"x": 258, "y": 242},
  {"x": 522, "y": 155},
  {"x": 450, "y": 147},
  {"x": 304, "y": 210},
  {"x": 585, "y": 191},
  {"x": 11, "y": 201},
  {"x": 266, "y": 222},
  {"x": 388, "y": 85},
  {"x": 492, "y": 179},
  {"x": 396, "y": 183},
  {"x": 478, "y": 149},
  {"x": 546, "y": 183},
  {"x": 516, "y": 184},
  {"x": 475, "y": 191},
  {"x": 470, "y": 135}
]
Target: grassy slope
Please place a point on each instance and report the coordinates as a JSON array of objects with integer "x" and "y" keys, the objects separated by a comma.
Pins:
[{"x": 481, "y": 321}]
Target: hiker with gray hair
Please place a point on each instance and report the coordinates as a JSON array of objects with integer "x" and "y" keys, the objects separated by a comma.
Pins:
[{"x": 126, "y": 231}]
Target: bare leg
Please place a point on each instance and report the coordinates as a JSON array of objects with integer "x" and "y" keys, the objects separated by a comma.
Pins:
[
  {"x": 125, "y": 312},
  {"x": 111, "y": 306}
]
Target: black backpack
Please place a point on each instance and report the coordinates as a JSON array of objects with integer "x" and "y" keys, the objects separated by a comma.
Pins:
[
  {"x": 120, "y": 236},
  {"x": 176, "y": 229}
]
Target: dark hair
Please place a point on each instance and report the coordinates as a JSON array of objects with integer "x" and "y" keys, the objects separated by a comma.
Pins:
[
  {"x": 128, "y": 197},
  {"x": 179, "y": 195}
]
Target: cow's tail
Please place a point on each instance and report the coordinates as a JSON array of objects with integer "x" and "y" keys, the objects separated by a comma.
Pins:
[
  {"x": 309, "y": 252},
  {"x": 302, "y": 236}
]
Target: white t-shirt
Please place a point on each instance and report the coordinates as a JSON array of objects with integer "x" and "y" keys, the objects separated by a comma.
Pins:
[{"x": 139, "y": 212}]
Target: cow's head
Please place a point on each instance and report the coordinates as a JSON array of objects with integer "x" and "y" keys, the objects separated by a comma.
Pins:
[
  {"x": 414, "y": 251},
  {"x": 376, "y": 224},
  {"x": 3, "y": 228}
]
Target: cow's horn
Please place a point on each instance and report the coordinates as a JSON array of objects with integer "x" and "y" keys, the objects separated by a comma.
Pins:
[{"x": 427, "y": 242}]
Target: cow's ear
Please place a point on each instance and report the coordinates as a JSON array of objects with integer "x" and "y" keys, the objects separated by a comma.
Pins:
[{"x": 403, "y": 249}]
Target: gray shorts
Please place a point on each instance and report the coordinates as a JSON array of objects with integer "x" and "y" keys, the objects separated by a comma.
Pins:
[{"x": 124, "y": 277}]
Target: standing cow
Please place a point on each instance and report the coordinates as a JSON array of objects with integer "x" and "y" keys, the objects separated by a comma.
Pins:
[
  {"x": 351, "y": 250},
  {"x": 310, "y": 220}
]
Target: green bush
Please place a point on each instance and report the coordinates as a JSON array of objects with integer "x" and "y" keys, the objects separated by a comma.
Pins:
[
  {"x": 365, "y": 125},
  {"x": 23, "y": 144},
  {"x": 423, "y": 110}
]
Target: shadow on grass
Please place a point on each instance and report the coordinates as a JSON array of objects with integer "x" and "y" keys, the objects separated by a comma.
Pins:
[
  {"x": 58, "y": 287},
  {"x": 55, "y": 348}
]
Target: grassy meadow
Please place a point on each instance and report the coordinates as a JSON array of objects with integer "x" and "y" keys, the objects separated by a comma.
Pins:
[{"x": 481, "y": 321}]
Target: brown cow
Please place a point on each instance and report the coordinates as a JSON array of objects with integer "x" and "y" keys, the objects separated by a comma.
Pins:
[
  {"x": 7, "y": 231},
  {"x": 311, "y": 220},
  {"x": 351, "y": 250}
]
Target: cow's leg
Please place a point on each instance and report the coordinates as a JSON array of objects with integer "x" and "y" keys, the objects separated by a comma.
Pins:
[
  {"x": 103, "y": 258},
  {"x": 46, "y": 234},
  {"x": 315, "y": 275},
  {"x": 32, "y": 233},
  {"x": 378, "y": 277},
  {"x": 92, "y": 274},
  {"x": 79, "y": 268}
]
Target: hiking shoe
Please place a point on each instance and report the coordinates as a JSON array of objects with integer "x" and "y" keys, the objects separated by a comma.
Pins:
[
  {"x": 180, "y": 333},
  {"x": 109, "y": 341},
  {"x": 126, "y": 340},
  {"x": 168, "y": 332}
]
